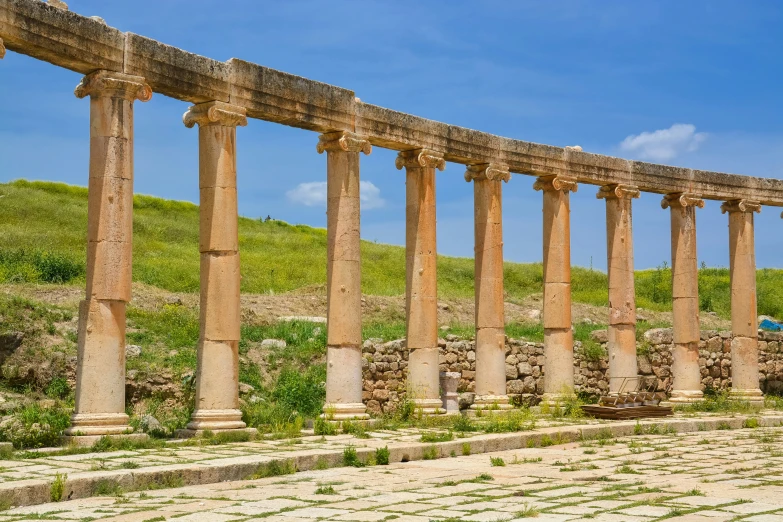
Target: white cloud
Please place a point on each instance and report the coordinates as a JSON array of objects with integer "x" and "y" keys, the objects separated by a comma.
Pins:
[
  {"x": 664, "y": 144},
  {"x": 313, "y": 194}
]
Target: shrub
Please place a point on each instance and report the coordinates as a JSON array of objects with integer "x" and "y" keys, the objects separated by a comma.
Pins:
[
  {"x": 57, "y": 487},
  {"x": 35, "y": 427},
  {"x": 301, "y": 392},
  {"x": 350, "y": 458},
  {"x": 382, "y": 456}
]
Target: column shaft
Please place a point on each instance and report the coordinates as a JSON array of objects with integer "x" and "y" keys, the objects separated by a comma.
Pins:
[
  {"x": 489, "y": 314},
  {"x": 217, "y": 373},
  {"x": 558, "y": 336},
  {"x": 343, "y": 276},
  {"x": 100, "y": 373},
  {"x": 421, "y": 302},
  {"x": 622, "y": 297},
  {"x": 744, "y": 322},
  {"x": 686, "y": 385}
]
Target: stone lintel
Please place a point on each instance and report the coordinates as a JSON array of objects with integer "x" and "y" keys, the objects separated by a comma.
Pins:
[
  {"x": 115, "y": 85},
  {"x": 420, "y": 158},
  {"x": 618, "y": 192},
  {"x": 681, "y": 200},
  {"x": 342, "y": 141},
  {"x": 563, "y": 183},
  {"x": 487, "y": 171},
  {"x": 215, "y": 113},
  {"x": 740, "y": 205}
]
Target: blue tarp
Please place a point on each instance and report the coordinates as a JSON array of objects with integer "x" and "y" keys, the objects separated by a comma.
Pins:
[{"x": 770, "y": 326}]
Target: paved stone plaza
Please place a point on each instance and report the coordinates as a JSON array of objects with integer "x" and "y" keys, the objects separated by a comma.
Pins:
[{"x": 702, "y": 476}]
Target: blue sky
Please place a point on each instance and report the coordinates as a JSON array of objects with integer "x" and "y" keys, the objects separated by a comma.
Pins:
[{"x": 695, "y": 84}]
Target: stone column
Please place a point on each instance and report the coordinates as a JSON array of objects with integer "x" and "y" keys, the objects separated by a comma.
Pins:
[
  {"x": 217, "y": 373},
  {"x": 421, "y": 302},
  {"x": 489, "y": 315},
  {"x": 623, "y": 373},
  {"x": 558, "y": 336},
  {"x": 343, "y": 276},
  {"x": 2, "y": 49},
  {"x": 685, "y": 298},
  {"x": 100, "y": 371},
  {"x": 744, "y": 323}
]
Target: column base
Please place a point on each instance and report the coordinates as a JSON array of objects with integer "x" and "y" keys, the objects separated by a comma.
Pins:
[
  {"x": 429, "y": 406},
  {"x": 754, "y": 396},
  {"x": 98, "y": 425},
  {"x": 216, "y": 420},
  {"x": 491, "y": 402},
  {"x": 555, "y": 399},
  {"x": 686, "y": 396},
  {"x": 345, "y": 411}
]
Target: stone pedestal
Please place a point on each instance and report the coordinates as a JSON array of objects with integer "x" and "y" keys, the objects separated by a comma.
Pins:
[
  {"x": 449, "y": 381},
  {"x": 558, "y": 336},
  {"x": 100, "y": 371},
  {"x": 686, "y": 386},
  {"x": 489, "y": 315},
  {"x": 217, "y": 371},
  {"x": 623, "y": 373},
  {"x": 421, "y": 293},
  {"x": 343, "y": 276},
  {"x": 744, "y": 321}
]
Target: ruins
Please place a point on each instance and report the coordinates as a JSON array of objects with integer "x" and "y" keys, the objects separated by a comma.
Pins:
[{"x": 122, "y": 68}]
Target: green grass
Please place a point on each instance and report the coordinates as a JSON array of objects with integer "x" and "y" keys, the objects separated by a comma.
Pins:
[{"x": 279, "y": 257}]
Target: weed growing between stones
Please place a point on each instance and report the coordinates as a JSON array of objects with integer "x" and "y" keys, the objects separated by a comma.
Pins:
[
  {"x": 430, "y": 453},
  {"x": 325, "y": 490},
  {"x": 274, "y": 468},
  {"x": 432, "y": 436},
  {"x": 719, "y": 402},
  {"x": 497, "y": 461},
  {"x": 382, "y": 456},
  {"x": 466, "y": 448},
  {"x": 107, "y": 488},
  {"x": 527, "y": 511},
  {"x": 57, "y": 488},
  {"x": 350, "y": 458}
]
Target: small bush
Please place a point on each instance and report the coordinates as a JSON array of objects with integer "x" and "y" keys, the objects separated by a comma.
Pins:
[
  {"x": 325, "y": 490},
  {"x": 350, "y": 458},
  {"x": 35, "y": 427},
  {"x": 274, "y": 468},
  {"x": 751, "y": 422},
  {"x": 497, "y": 461},
  {"x": 431, "y": 436},
  {"x": 302, "y": 392},
  {"x": 466, "y": 448},
  {"x": 57, "y": 487},
  {"x": 322, "y": 426},
  {"x": 382, "y": 456},
  {"x": 430, "y": 453}
]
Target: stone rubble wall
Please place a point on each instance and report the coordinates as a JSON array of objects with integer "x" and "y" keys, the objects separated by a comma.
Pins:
[{"x": 384, "y": 366}]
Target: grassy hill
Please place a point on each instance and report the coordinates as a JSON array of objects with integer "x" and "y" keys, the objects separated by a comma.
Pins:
[{"x": 43, "y": 229}]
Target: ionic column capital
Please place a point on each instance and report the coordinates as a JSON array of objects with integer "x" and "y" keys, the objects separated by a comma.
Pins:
[
  {"x": 740, "y": 205},
  {"x": 420, "y": 158},
  {"x": 681, "y": 200},
  {"x": 2, "y": 49},
  {"x": 558, "y": 183},
  {"x": 488, "y": 172},
  {"x": 215, "y": 113},
  {"x": 342, "y": 141},
  {"x": 114, "y": 85},
  {"x": 617, "y": 192}
]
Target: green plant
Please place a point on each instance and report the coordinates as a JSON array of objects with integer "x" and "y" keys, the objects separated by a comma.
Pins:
[
  {"x": 497, "y": 461},
  {"x": 35, "y": 427},
  {"x": 466, "y": 448},
  {"x": 325, "y": 490},
  {"x": 434, "y": 436},
  {"x": 274, "y": 468},
  {"x": 107, "y": 488},
  {"x": 351, "y": 458},
  {"x": 382, "y": 456},
  {"x": 430, "y": 453},
  {"x": 751, "y": 422},
  {"x": 528, "y": 511},
  {"x": 57, "y": 487},
  {"x": 324, "y": 427}
]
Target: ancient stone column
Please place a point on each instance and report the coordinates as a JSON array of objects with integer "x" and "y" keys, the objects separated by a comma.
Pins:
[
  {"x": 217, "y": 372},
  {"x": 744, "y": 323},
  {"x": 558, "y": 336},
  {"x": 489, "y": 314},
  {"x": 622, "y": 297},
  {"x": 686, "y": 386},
  {"x": 343, "y": 276},
  {"x": 100, "y": 371},
  {"x": 421, "y": 304}
]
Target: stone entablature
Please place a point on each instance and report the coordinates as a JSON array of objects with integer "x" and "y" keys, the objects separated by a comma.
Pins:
[
  {"x": 84, "y": 45},
  {"x": 385, "y": 365}
]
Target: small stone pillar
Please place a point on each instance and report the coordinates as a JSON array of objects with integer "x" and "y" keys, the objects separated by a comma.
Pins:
[
  {"x": 343, "y": 276},
  {"x": 558, "y": 336},
  {"x": 100, "y": 370},
  {"x": 489, "y": 314},
  {"x": 217, "y": 373},
  {"x": 744, "y": 323},
  {"x": 623, "y": 373},
  {"x": 449, "y": 381},
  {"x": 685, "y": 297},
  {"x": 421, "y": 292}
]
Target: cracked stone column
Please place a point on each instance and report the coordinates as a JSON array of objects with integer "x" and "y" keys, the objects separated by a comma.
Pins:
[
  {"x": 343, "y": 276},
  {"x": 217, "y": 373},
  {"x": 421, "y": 292},
  {"x": 489, "y": 314},
  {"x": 744, "y": 323},
  {"x": 686, "y": 386},
  {"x": 100, "y": 371},
  {"x": 623, "y": 373},
  {"x": 558, "y": 336}
]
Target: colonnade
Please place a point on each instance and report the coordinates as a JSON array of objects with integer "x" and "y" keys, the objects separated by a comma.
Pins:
[{"x": 100, "y": 398}]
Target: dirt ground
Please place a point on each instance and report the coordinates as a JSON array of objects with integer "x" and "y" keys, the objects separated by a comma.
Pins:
[{"x": 311, "y": 302}]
